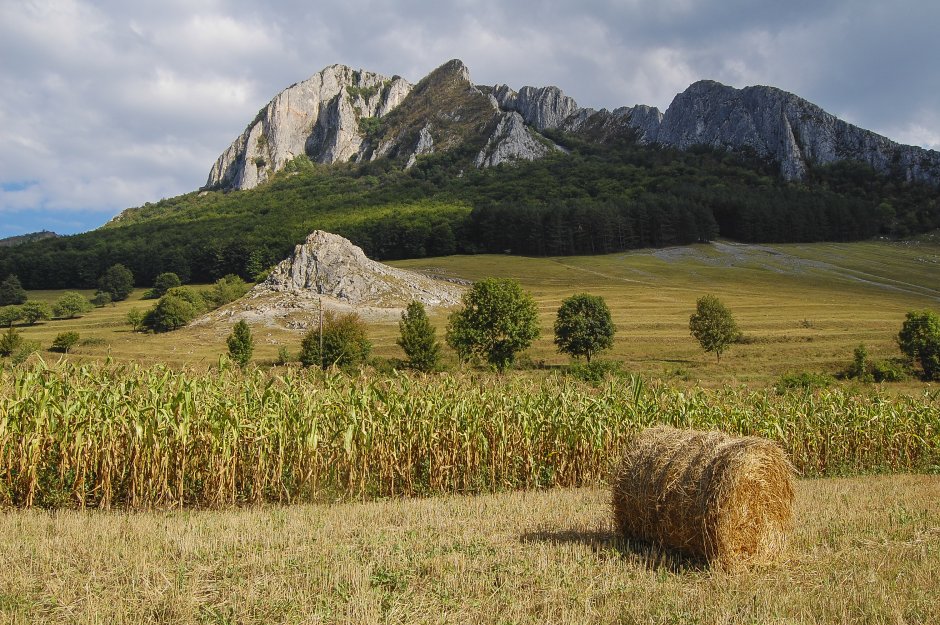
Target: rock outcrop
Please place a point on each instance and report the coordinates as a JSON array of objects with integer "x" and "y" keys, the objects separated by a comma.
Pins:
[
  {"x": 510, "y": 141},
  {"x": 341, "y": 114},
  {"x": 786, "y": 128},
  {"x": 329, "y": 265},
  {"x": 319, "y": 117}
]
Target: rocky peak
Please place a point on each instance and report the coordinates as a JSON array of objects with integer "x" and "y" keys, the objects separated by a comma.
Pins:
[
  {"x": 319, "y": 117},
  {"x": 330, "y": 265},
  {"x": 544, "y": 107}
]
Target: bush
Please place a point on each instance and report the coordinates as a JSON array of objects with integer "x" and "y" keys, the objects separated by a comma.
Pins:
[
  {"x": 135, "y": 319},
  {"x": 241, "y": 344},
  {"x": 24, "y": 351},
  {"x": 33, "y": 312},
  {"x": 118, "y": 281},
  {"x": 164, "y": 282},
  {"x": 283, "y": 356},
  {"x": 101, "y": 299},
  {"x": 866, "y": 370},
  {"x": 71, "y": 304},
  {"x": 595, "y": 371},
  {"x": 10, "y": 341},
  {"x": 344, "y": 342},
  {"x": 498, "y": 319},
  {"x": 170, "y": 313},
  {"x": 10, "y": 315},
  {"x": 418, "y": 338},
  {"x": 64, "y": 342},
  {"x": 225, "y": 290}
]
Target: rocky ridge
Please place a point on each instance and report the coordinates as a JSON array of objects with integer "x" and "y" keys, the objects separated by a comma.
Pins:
[
  {"x": 329, "y": 269},
  {"x": 323, "y": 118}
]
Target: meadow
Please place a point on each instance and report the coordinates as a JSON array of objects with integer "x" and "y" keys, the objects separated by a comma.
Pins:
[{"x": 466, "y": 496}]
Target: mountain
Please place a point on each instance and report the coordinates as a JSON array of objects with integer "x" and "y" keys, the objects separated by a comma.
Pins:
[
  {"x": 27, "y": 238},
  {"x": 341, "y": 114}
]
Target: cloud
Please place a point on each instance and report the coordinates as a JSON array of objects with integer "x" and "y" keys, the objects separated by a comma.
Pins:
[{"x": 106, "y": 104}]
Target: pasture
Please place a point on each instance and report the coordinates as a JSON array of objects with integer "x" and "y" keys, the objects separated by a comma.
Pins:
[{"x": 800, "y": 308}]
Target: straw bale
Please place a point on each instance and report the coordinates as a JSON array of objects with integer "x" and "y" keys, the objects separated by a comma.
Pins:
[{"x": 708, "y": 495}]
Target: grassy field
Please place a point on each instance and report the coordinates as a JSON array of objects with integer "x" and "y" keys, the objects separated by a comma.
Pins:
[
  {"x": 863, "y": 551},
  {"x": 801, "y": 307}
]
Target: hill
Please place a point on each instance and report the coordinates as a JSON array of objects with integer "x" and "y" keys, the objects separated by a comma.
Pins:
[{"x": 445, "y": 166}]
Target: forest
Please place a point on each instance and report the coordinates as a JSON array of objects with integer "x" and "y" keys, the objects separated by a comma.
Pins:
[{"x": 592, "y": 199}]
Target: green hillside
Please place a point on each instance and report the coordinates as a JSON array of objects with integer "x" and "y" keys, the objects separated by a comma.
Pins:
[{"x": 594, "y": 199}]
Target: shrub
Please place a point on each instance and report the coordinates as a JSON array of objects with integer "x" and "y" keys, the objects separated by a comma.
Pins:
[
  {"x": 595, "y": 371},
  {"x": 583, "y": 326},
  {"x": 24, "y": 351},
  {"x": 804, "y": 380},
  {"x": 135, "y": 319},
  {"x": 71, "y": 304},
  {"x": 10, "y": 341},
  {"x": 170, "y": 313},
  {"x": 118, "y": 281},
  {"x": 101, "y": 299},
  {"x": 283, "y": 356},
  {"x": 241, "y": 344},
  {"x": 418, "y": 338},
  {"x": 344, "y": 342},
  {"x": 34, "y": 312},
  {"x": 498, "y": 319},
  {"x": 64, "y": 342},
  {"x": 164, "y": 282},
  {"x": 10, "y": 315},
  {"x": 225, "y": 290}
]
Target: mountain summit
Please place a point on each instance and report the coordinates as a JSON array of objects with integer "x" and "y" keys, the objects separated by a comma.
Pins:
[{"x": 341, "y": 114}]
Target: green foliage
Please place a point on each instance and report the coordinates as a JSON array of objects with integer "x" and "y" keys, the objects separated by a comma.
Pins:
[
  {"x": 919, "y": 340},
  {"x": 226, "y": 289},
  {"x": 583, "y": 326},
  {"x": 712, "y": 325},
  {"x": 595, "y": 371},
  {"x": 23, "y": 351},
  {"x": 71, "y": 304},
  {"x": 498, "y": 319},
  {"x": 164, "y": 282},
  {"x": 867, "y": 370},
  {"x": 283, "y": 356},
  {"x": 418, "y": 338},
  {"x": 345, "y": 344},
  {"x": 64, "y": 342},
  {"x": 172, "y": 312},
  {"x": 11, "y": 291},
  {"x": 241, "y": 344},
  {"x": 10, "y": 341},
  {"x": 135, "y": 319},
  {"x": 10, "y": 315},
  {"x": 34, "y": 312},
  {"x": 101, "y": 299},
  {"x": 118, "y": 281}
]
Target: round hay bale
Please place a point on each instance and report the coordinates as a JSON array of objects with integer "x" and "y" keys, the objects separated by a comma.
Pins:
[{"x": 709, "y": 495}]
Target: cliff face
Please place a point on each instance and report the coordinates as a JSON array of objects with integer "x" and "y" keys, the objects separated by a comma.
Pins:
[
  {"x": 341, "y": 114},
  {"x": 319, "y": 117},
  {"x": 787, "y": 129}
]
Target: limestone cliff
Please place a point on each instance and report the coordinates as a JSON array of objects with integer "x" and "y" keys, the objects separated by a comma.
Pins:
[{"x": 320, "y": 117}]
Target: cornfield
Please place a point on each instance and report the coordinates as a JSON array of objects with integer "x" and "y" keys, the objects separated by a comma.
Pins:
[{"x": 152, "y": 436}]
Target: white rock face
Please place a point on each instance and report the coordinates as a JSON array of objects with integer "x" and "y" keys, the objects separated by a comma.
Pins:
[
  {"x": 510, "y": 141},
  {"x": 425, "y": 145},
  {"x": 327, "y": 264},
  {"x": 544, "y": 107},
  {"x": 318, "y": 117}
]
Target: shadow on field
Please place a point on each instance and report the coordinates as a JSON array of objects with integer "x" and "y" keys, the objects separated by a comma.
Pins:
[{"x": 606, "y": 543}]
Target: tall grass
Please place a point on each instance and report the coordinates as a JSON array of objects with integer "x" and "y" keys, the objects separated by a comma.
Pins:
[{"x": 152, "y": 436}]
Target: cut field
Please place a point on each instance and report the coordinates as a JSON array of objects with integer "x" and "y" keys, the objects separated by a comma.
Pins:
[
  {"x": 800, "y": 307},
  {"x": 864, "y": 550}
]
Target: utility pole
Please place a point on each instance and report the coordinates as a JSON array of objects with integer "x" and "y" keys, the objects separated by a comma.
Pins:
[{"x": 320, "y": 300}]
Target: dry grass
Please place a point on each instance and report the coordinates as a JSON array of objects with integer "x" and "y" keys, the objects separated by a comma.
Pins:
[
  {"x": 802, "y": 307},
  {"x": 725, "y": 499},
  {"x": 864, "y": 550}
]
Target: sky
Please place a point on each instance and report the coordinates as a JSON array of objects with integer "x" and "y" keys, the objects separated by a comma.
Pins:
[{"x": 108, "y": 104}]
